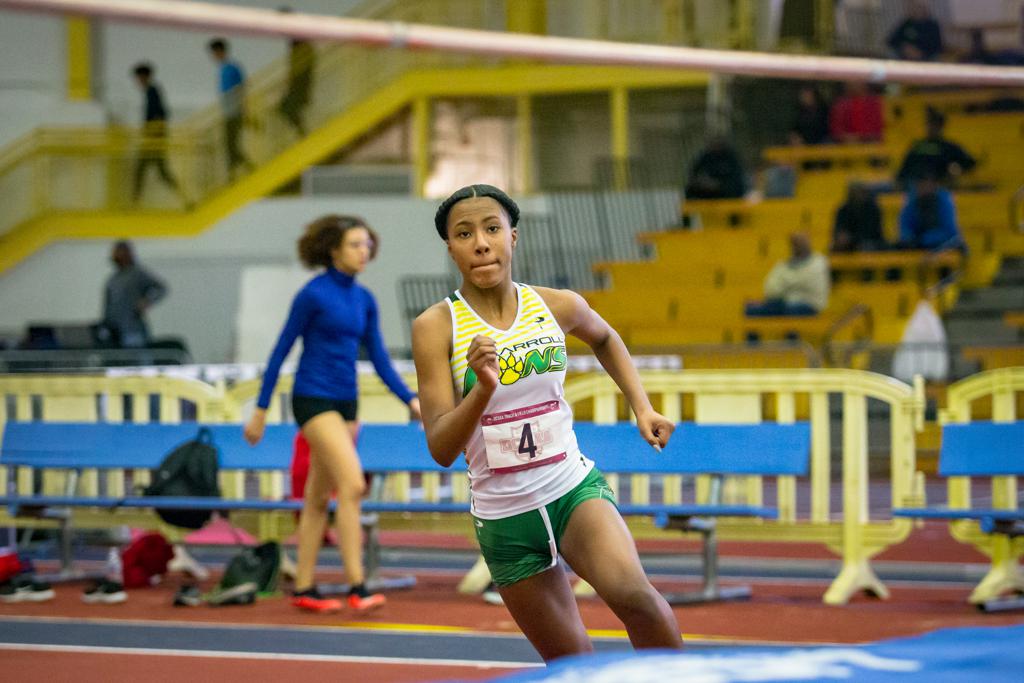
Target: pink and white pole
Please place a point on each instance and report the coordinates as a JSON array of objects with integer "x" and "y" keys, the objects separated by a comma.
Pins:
[{"x": 265, "y": 22}]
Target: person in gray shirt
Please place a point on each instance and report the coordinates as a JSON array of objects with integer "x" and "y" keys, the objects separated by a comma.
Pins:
[{"x": 127, "y": 295}]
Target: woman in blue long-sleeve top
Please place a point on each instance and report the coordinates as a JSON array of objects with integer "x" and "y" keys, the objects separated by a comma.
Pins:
[{"x": 334, "y": 315}]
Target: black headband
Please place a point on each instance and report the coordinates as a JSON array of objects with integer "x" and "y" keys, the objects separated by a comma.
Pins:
[{"x": 468, "y": 192}]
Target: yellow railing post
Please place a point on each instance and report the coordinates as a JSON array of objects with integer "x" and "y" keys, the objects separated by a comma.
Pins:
[
  {"x": 672, "y": 21},
  {"x": 856, "y": 574},
  {"x": 526, "y": 16},
  {"x": 619, "y": 103},
  {"x": 524, "y": 141},
  {"x": 421, "y": 143},
  {"x": 824, "y": 25},
  {"x": 79, "y": 58},
  {"x": 743, "y": 27}
]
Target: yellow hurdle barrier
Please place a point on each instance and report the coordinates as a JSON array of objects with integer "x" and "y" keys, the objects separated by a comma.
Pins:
[
  {"x": 749, "y": 396},
  {"x": 1002, "y": 388},
  {"x": 742, "y": 396}
]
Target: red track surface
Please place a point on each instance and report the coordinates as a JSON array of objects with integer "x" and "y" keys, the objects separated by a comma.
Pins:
[
  {"x": 76, "y": 667},
  {"x": 778, "y": 612}
]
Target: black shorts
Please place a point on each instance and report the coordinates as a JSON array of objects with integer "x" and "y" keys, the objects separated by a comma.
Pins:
[{"x": 305, "y": 408}]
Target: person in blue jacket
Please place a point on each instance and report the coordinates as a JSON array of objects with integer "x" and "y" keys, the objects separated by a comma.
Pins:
[
  {"x": 928, "y": 219},
  {"x": 334, "y": 315}
]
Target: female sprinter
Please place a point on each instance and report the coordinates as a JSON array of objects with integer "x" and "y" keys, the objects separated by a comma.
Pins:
[
  {"x": 491, "y": 363},
  {"x": 333, "y": 315}
]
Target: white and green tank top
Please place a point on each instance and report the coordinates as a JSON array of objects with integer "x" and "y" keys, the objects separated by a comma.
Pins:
[{"x": 523, "y": 453}]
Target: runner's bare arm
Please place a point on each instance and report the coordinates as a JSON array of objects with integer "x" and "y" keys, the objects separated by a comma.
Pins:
[
  {"x": 449, "y": 427},
  {"x": 576, "y": 317}
]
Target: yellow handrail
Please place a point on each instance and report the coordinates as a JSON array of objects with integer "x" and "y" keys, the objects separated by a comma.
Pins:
[{"x": 717, "y": 397}]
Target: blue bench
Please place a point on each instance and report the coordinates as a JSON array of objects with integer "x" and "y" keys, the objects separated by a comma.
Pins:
[
  {"x": 103, "y": 446},
  {"x": 981, "y": 449},
  {"x": 765, "y": 449}
]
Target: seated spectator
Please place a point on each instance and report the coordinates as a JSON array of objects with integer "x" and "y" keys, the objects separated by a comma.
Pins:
[
  {"x": 799, "y": 285},
  {"x": 928, "y": 219},
  {"x": 811, "y": 125},
  {"x": 918, "y": 37},
  {"x": 717, "y": 173},
  {"x": 858, "y": 224},
  {"x": 935, "y": 156},
  {"x": 856, "y": 115}
]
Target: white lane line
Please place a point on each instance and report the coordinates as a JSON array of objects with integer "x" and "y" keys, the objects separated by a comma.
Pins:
[{"x": 275, "y": 656}]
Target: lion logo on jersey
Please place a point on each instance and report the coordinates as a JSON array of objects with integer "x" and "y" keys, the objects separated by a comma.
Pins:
[
  {"x": 534, "y": 362},
  {"x": 509, "y": 369}
]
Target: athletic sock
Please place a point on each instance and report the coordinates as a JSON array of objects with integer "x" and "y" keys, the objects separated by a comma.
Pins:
[{"x": 360, "y": 590}]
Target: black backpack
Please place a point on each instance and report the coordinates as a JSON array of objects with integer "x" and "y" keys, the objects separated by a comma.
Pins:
[{"x": 189, "y": 470}]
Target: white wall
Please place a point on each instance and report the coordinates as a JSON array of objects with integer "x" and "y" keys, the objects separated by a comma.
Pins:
[
  {"x": 205, "y": 274},
  {"x": 32, "y": 52},
  {"x": 32, "y": 77},
  {"x": 64, "y": 281}
]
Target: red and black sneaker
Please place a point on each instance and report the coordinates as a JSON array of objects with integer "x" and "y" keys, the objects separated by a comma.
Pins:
[
  {"x": 362, "y": 600},
  {"x": 311, "y": 601}
]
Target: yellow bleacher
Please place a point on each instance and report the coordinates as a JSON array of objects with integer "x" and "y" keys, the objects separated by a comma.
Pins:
[
  {"x": 994, "y": 357},
  {"x": 694, "y": 290}
]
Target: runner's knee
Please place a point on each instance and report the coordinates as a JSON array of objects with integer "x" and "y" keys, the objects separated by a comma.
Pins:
[
  {"x": 639, "y": 599},
  {"x": 352, "y": 491}
]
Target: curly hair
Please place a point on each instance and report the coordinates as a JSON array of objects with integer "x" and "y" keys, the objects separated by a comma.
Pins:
[
  {"x": 325, "y": 234},
  {"x": 468, "y": 192}
]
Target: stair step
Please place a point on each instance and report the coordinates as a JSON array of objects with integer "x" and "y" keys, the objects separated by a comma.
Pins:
[
  {"x": 979, "y": 331},
  {"x": 996, "y": 298},
  {"x": 1011, "y": 279}
]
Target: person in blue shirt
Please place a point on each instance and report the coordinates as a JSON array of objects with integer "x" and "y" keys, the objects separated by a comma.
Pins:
[
  {"x": 232, "y": 97},
  {"x": 928, "y": 219},
  {"x": 334, "y": 315}
]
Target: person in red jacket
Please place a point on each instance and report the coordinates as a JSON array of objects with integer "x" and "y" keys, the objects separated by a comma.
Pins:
[{"x": 856, "y": 115}]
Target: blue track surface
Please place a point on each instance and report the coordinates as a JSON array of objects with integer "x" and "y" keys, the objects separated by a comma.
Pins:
[{"x": 992, "y": 655}]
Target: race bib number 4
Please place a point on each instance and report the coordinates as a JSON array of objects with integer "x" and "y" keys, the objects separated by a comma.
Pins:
[{"x": 524, "y": 438}]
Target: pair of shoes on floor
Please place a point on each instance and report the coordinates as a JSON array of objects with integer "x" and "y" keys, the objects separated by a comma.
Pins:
[
  {"x": 491, "y": 595},
  {"x": 188, "y": 596},
  {"x": 312, "y": 601},
  {"x": 242, "y": 594},
  {"x": 25, "y": 588},
  {"x": 105, "y": 592}
]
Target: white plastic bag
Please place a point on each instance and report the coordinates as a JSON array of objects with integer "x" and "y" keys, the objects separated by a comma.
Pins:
[{"x": 923, "y": 349}]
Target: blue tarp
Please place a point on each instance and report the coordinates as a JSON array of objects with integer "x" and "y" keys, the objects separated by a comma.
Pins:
[{"x": 990, "y": 654}]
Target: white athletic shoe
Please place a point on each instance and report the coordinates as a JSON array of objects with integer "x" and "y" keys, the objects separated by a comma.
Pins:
[
  {"x": 105, "y": 592},
  {"x": 25, "y": 589}
]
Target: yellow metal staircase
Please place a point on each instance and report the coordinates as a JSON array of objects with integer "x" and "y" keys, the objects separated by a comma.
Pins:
[{"x": 60, "y": 183}]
